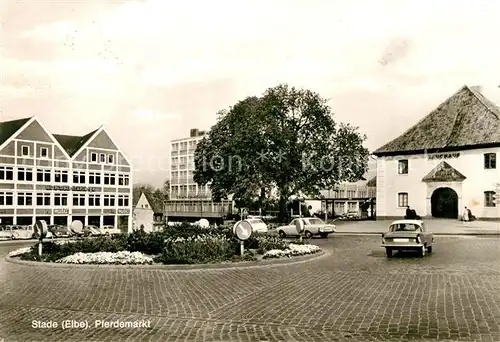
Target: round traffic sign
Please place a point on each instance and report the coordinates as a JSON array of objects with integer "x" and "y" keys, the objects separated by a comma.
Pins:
[
  {"x": 299, "y": 224},
  {"x": 41, "y": 229},
  {"x": 203, "y": 223},
  {"x": 77, "y": 226},
  {"x": 243, "y": 230}
]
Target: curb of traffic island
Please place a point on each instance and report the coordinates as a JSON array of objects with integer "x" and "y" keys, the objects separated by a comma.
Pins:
[{"x": 181, "y": 267}]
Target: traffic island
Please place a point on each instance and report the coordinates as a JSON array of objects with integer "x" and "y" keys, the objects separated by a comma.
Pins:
[{"x": 190, "y": 247}]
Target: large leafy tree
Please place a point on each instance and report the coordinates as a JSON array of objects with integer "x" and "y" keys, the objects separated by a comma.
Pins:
[{"x": 286, "y": 141}]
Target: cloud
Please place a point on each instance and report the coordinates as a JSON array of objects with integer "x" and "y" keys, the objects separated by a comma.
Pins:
[{"x": 149, "y": 115}]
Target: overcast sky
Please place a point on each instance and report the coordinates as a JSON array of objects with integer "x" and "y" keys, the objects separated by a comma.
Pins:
[{"x": 151, "y": 70}]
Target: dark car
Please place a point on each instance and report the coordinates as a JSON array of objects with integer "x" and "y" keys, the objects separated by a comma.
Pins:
[{"x": 58, "y": 230}]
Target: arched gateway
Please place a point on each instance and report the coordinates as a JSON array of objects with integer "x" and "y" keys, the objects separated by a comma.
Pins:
[{"x": 444, "y": 203}]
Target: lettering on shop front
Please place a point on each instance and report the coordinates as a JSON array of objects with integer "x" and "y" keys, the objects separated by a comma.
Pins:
[
  {"x": 68, "y": 188},
  {"x": 444, "y": 156},
  {"x": 123, "y": 211},
  {"x": 61, "y": 211}
]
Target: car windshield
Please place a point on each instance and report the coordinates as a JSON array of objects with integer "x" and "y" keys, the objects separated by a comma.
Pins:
[
  {"x": 404, "y": 227},
  {"x": 313, "y": 221}
]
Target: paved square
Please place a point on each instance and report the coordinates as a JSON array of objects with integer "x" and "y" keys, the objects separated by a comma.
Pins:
[{"x": 354, "y": 293}]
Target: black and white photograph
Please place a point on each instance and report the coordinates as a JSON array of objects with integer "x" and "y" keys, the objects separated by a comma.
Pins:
[{"x": 249, "y": 170}]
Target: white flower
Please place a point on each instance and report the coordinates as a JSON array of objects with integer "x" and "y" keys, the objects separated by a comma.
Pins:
[
  {"x": 292, "y": 250},
  {"x": 20, "y": 251},
  {"x": 123, "y": 257}
]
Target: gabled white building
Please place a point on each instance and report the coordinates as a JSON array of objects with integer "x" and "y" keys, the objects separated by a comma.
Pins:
[{"x": 446, "y": 162}]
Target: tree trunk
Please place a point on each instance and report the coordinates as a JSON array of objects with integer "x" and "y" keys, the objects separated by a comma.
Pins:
[
  {"x": 283, "y": 214},
  {"x": 262, "y": 200}
]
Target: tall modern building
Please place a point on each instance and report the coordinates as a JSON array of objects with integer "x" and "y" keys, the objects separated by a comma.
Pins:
[
  {"x": 189, "y": 200},
  {"x": 182, "y": 185},
  {"x": 62, "y": 178}
]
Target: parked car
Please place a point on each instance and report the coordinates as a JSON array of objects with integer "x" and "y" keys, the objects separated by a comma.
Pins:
[
  {"x": 59, "y": 230},
  {"x": 312, "y": 226},
  {"x": 110, "y": 230},
  {"x": 6, "y": 233},
  {"x": 22, "y": 232},
  {"x": 91, "y": 231},
  {"x": 258, "y": 226},
  {"x": 407, "y": 235}
]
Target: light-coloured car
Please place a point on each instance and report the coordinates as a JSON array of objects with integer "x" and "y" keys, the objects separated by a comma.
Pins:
[
  {"x": 22, "y": 232},
  {"x": 408, "y": 235},
  {"x": 110, "y": 230},
  {"x": 6, "y": 233},
  {"x": 312, "y": 226},
  {"x": 258, "y": 226}
]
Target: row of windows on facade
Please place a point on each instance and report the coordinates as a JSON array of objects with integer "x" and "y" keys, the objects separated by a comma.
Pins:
[
  {"x": 489, "y": 199},
  {"x": 341, "y": 206},
  {"x": 183, "y": 145},
  {"x": 62, "y": 176},
  {"x": 490, "y": 163},
  {"x": 183, "y": 160},
  {"x": 94, "y": 156},
  {"x": 190, "y": 188},
  {"x": 61, "y": 199},
  {"x": 182, "y": 174}
]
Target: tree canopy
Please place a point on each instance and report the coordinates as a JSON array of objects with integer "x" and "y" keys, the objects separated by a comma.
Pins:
[
  {"x": 158, "y": 194},
  {"x": 283, "y": 143}
]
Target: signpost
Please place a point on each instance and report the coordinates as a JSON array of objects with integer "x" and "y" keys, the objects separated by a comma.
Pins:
[
  {"x": 41, "y": 230},
  {"x": 243, "y": 231}
]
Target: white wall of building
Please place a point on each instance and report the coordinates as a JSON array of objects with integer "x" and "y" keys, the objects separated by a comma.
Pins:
[
  {"x": 470, "y": 192},
  {"x": 143, "y": 214}
]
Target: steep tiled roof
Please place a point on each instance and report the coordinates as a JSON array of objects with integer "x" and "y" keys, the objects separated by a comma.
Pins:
[
  {"x": 155, "y": 203},
  {"x": 8, "y": 128},
  {"x": 466, "y": 119},
  {"x": 72, "y": 143}
]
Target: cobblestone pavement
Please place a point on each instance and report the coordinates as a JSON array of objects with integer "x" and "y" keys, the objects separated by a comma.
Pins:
[{"x": 354, "y": 293}]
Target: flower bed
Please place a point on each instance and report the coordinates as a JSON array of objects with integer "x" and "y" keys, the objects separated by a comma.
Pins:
[
  {"x": 123, "y": 258},
  {"x": 292, "y": 250},
  {"x": 20, "y": 251},
  {"x": 182, "y": 244}
]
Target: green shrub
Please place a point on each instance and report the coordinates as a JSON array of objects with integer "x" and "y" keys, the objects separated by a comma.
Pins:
[
  {"x": 196, "y": 249},
  {"x": 267, "y": 243}
]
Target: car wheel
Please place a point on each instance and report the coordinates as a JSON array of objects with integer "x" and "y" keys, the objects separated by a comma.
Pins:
[
  {"x": 308, "y": 234},
  {"x": 282, "y": 234},
  {"x": 388, "y": 252},
  {"x": 324, "y": 236},
  {"x": 422, "y": 251},
  {"x": 429, "y": 249}
]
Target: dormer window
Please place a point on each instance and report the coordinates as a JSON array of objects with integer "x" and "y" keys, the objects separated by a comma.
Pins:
[
  {"x": 103, "y": 158},
  {"x": 93, "y": 157},
  {"x": 111, "y": 159}
]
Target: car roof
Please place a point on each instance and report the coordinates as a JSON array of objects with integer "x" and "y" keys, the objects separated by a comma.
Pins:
[{"x": 408, "y": 221}]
